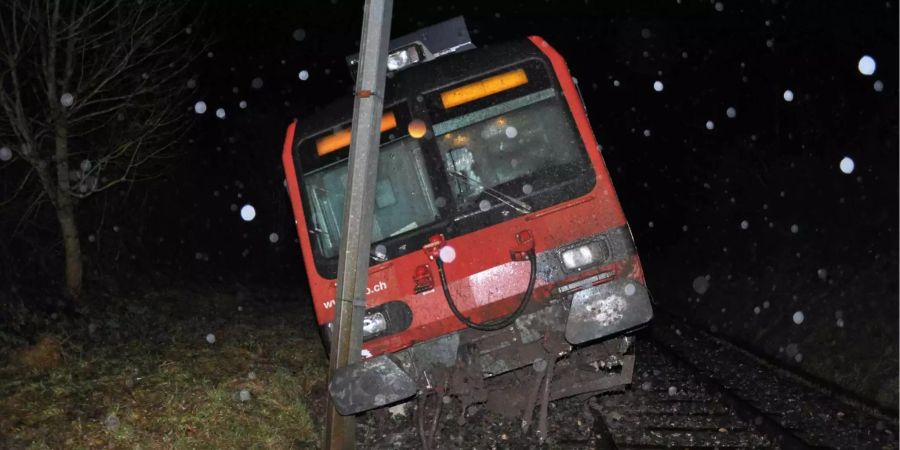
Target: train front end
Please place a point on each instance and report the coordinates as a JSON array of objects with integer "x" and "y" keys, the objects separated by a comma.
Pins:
[{"x": 500, "y": 253}]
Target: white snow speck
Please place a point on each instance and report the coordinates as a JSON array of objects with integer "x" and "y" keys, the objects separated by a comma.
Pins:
[
  {"x": 756, "y": 310},
  {"x": 242, "y": 104},
  {"x": 92, "y": 238},
  {"x": 731, "y": 112},
  {"x": 257, "y": 83},
  {"x": 248, "y": 213},
  {"x": 866, "y": 65},
  {"x": 303, "y": 75},
  {"x": 630, "y": 289},
  {"x": 211, "y": 338},
  {"x": 210, "y": 54},
  {"x": 798, "y": 357},
  {"x": 822, "y": 274},
  {"x": 192, "y": 83},
  {"x": 878, "y": 86},
  {"x": 398, "y": 410},
  {"x": 720, "y": 7},
  {"x": 67, "y": 99},
  {"x": 365, "y": 353},
  {"x": 798, "y": 317},
  {"x": 244, "y": 395},
  {"x": 701, "y": 284},
  {"x": 200, "y": 107},
  {"x": 447, "y": 254},
  {"x": 788, "y": 95},
  {"x": 745, "y": 224},
  {"x": 847, "y": 165},
  {"x": 650, "y": 224},
  {"x": 5, "y": 154},
  {"x": 511, "y": 132},
  {"x": 766, "y": 304},
  {"x": 273, "y": 238},
  {"x": 795, "y": 229},
  {"x": 484, "y": 205},
  {"x": 839, "y": 323},
  {"x": 646, "y": 133},
  {"x": 616, "y": 83},
  {"x": 299, "y": 34},
  {"x": 710, "y": 125},
  {"x": 527, "y": 189},
  {"x": 220, "y": 113},
  {"x": 658, "y": 86},
  {"x": 673, "y": 390}
]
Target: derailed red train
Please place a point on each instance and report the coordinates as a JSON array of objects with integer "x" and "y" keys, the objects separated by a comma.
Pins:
[{"x": 500, "y": 253}]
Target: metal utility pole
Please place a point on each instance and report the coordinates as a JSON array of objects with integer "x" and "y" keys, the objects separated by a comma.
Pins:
[{"x": 356, "y": 229}]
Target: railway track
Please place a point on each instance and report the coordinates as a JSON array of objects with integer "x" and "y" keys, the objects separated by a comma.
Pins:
[{"x": 691, "y": 390}]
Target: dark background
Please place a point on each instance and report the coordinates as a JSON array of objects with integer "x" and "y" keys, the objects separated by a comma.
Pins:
[{"x": 686, "y": 189}]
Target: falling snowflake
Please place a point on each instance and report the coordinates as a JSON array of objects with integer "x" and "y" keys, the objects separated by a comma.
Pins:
[
  {"x": 67, "y": 100},
  {"x": 248, "y": 212},
  {"x": 745, "y": 224},
  {"x": 878, "y": 86},
  {"x": 200, "y": 107},
  {"x": 5, "y": 153},
  {"x": 211, "y": 338},
  {"x": 701, "y": 284},
  {"x": 788, "y": 95},
  {"x": 658, "y": 86},
  {"x": 220, "y": 113},
  {"x": 242, "y": 104},
  {"x": 257, "y": 83},
  {"x": 303, "y": 75},
  {"x": 847, "y": 165},
  {"x": 731, "y": 112},
  {"x": 798, "y": 317},
  {"x": 273, "y": 238},
  {"x": 710, "y": 125},
  {"x": 795, "y": 229},
  {"x": 299, "y": 34},
  {"x": 866, "y": 65}
]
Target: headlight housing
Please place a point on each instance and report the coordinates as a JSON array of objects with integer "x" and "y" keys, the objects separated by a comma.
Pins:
[
  {"x": 583, "y": 255},
  {"x": 374, "y": 324}
]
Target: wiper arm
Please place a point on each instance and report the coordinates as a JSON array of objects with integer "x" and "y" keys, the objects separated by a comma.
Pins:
[{"x": 518, "y": 205}]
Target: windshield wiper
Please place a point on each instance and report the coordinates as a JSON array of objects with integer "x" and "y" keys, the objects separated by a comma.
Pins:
[{"x": 518, "y": 205}]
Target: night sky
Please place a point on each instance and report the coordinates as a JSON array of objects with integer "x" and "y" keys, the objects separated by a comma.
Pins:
[{"x": 688, "y": 100}]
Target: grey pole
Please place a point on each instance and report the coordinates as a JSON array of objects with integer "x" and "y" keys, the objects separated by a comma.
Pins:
[{"x": 356, "y": 229}]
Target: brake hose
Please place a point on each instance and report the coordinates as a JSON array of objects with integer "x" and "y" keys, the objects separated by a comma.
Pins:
[{"x": 496, "y": 324}]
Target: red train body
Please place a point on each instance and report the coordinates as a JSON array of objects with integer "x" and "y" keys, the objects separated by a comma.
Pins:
[{"x": 506, "y": 166}]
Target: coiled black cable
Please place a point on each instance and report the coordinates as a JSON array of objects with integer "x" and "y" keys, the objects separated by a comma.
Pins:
[{"x": 495, "y": 324}]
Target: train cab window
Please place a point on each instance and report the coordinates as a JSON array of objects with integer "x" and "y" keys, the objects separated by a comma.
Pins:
[
  {"x": 512, "y": 150},
  {"x": 404, "y": 200}
]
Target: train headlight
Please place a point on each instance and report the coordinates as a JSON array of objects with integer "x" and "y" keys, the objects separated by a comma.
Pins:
[
  {"x": 402, "y": 58},
  {"x": 374, "y": 324},
  {"x": 581, "y": 256}
]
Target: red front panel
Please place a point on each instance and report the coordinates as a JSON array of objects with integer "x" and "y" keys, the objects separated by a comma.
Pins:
[{"x": 484, "y": 282}]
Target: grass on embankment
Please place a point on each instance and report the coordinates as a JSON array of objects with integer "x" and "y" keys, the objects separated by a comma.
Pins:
[{"x": 140, "y": 373}]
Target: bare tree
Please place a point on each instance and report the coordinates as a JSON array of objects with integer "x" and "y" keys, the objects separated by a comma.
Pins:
[{"x": 93, "y": 96}]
